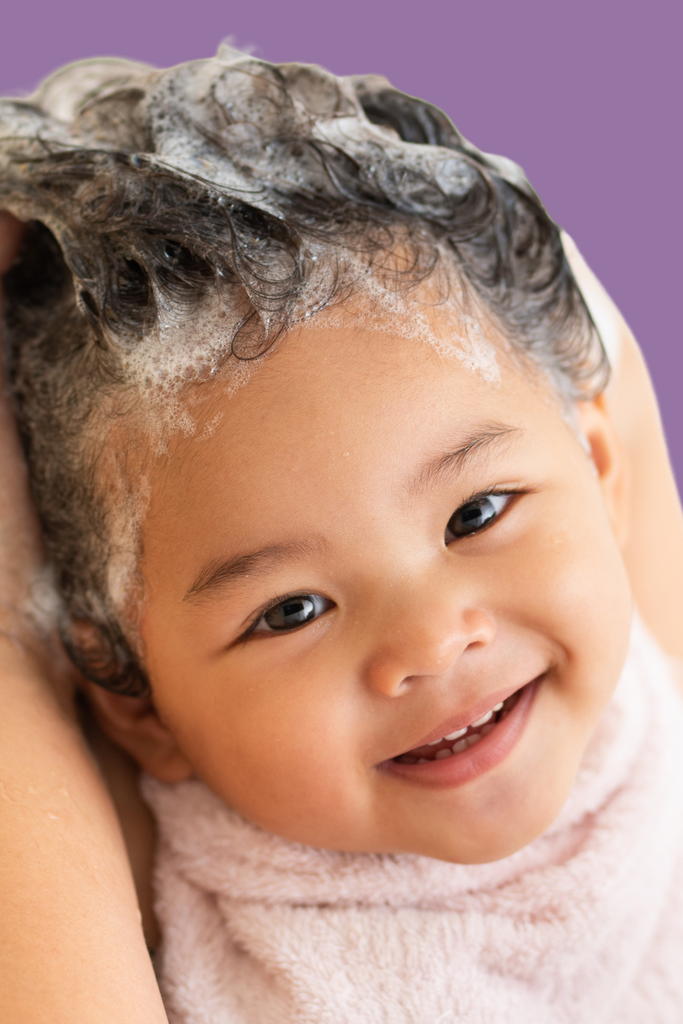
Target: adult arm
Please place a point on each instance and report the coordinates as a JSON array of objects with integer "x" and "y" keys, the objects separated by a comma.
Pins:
[
  {"x": 71, "y": 943},
  {"x": 654, "y": 548}
]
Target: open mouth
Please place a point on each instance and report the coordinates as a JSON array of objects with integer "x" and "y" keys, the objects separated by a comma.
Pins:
[{"x": 462, "y": 739}]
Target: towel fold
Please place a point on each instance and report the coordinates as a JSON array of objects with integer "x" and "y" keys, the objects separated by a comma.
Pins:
[{"x": 583, "y": 926}]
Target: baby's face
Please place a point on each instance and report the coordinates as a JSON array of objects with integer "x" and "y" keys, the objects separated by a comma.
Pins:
[{"x": 375, "y": 550}]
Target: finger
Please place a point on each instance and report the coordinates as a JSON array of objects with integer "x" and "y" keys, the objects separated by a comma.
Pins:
[{"x": 11, "y": 231}]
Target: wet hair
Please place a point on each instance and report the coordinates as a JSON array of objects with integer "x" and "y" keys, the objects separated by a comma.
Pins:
[{"x": 251, "y": 188}]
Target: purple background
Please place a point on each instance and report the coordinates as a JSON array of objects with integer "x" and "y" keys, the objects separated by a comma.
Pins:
[{"x": 584, "y": 94}]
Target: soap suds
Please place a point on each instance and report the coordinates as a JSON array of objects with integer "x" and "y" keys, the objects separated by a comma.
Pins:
[{"x": 423, "y": 315}]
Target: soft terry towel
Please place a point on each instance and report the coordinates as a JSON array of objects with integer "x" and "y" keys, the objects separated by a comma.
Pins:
[{"x": 584, "y": 925}]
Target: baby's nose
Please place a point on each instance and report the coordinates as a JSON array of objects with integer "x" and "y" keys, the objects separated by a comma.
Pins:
[{"x": 425, "y": 642}]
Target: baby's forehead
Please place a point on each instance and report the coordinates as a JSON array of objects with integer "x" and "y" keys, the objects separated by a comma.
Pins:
[
  {"x": 383, "y": 324},
  {"x": 342, "y": 373},
  {"x": 439, "y": 313},
  {"x": 353, "y": 376},
  {"x": 376, "y": 346}
]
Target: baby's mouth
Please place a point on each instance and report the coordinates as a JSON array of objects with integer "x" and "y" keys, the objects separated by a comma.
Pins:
[{"x": 462, "y": 739}]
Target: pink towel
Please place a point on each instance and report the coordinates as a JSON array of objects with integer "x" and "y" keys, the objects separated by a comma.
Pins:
[{"x": 584, "y": 925}]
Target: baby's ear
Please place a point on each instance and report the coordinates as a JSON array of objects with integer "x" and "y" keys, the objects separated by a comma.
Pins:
[
  {"x": 609, "y": 458},
  {"x": 134, "y": 725}
]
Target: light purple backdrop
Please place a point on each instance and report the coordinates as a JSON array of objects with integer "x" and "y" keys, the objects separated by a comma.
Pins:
[{"x": 585, "y": 94}]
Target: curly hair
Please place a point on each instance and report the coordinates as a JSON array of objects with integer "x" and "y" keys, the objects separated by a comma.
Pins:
[{"x": 153, "y": 194}]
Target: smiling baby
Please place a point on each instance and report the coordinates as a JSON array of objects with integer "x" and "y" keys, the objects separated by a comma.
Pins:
[{"x": 315, "y": 420}]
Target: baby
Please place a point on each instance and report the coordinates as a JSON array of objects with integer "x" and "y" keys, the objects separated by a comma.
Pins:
[{"x": 335, "y": 508}]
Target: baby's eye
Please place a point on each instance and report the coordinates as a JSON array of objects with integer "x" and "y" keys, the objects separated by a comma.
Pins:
[
  {"x": 291, "y": 613},
  {"x": 476, "y": 514}
]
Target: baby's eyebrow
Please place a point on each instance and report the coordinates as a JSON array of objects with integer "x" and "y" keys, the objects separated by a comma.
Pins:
[
  {"x": 475, "y": 445},
  {"x": 220, "y": 574}
]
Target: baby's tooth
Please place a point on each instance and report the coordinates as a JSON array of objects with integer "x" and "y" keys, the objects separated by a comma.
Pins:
[
  {"x": 471, "y": 740},
  {"x": 441, "y": 754},
  {"x": 461, "y": 732},
  {"x": 460, "y": 746},
  {"x": 422, "y": 760},
  {"x": 487, "y": 729}
]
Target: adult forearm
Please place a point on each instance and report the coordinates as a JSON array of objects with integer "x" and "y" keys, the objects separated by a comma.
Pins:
[
  {"x": 653, "y": 552},
  {"x": 71, "y": 943},
  {"x": 654, "y": 549}
]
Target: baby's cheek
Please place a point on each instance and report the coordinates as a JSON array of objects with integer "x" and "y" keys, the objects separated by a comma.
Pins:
[
  {"x": 272, "y": 748},
  {"x": 589, "y": 611},
  {"x": 577, "y": 555}
]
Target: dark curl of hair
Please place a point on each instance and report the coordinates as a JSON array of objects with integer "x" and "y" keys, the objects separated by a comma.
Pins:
[{"x": 147, "y": 190}]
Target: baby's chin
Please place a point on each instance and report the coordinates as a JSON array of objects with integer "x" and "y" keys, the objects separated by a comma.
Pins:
[
  {"x": 480, "y": 846},
  {"x": 485, "y": 846},
  {"x": 511, "y": 816},
  {"x": 489, "y": 839},
  {"x": 488, "y": 848}
]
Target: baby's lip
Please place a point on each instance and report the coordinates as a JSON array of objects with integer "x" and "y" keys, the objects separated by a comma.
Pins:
[{"x": 464, "y": 718}]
